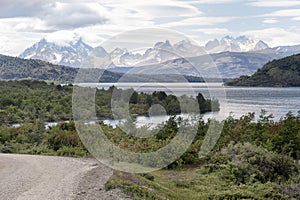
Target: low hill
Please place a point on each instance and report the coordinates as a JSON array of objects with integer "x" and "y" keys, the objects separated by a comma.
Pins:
[
  {"x": 284, "y": 72},
  {"x": 12, "y": 68},
  {"x": 17, "y": 68}
]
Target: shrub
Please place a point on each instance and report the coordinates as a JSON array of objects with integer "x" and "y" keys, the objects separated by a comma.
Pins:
[
  {"x": 148, "y": 176},
  {"x": 71, "y": 151},
  {"x": 247, "y": 162}
]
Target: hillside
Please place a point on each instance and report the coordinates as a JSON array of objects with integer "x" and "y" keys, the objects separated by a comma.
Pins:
[
  {"x": 17, "y": 68},
  {"x": 284, "y": 72},
  {"x": 12, "y": 68}
]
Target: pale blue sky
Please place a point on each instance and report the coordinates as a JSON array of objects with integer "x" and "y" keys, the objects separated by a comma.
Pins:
[{"x": 26, "y": 22}]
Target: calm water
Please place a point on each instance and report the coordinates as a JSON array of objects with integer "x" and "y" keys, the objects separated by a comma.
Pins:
[{"x": 234, "y": 101}]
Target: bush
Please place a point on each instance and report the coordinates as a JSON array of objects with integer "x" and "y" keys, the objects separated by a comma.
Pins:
[
  {"x": 71, "y": 151},
  {"x": 256, "y": 191},
  {"x": 148, "y": 176},
  {"x": 292, "y": 188},
  {"x": 249, "y": 163},
  {"x": 62, "y": 135}
]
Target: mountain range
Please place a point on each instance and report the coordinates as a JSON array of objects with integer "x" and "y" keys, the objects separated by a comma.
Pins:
[{"x": 233, "y": 57}]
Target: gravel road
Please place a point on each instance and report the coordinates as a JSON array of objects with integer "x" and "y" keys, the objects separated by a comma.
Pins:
[{"x": 27, "y": 177}]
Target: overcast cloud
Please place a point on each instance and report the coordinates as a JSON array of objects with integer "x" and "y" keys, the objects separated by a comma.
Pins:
[{"x": 25, "y": 22}]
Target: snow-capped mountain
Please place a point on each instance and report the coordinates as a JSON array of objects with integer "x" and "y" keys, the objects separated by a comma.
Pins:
[
  {"x": 239, "y": 44},
  {"x": 159, "y": 53},
  {"x": 121, "y": 57},
  {"x": 228, "y": 64},
  {"x": 232, "y": 56},
  {"x": 71, "y": 53},
  {"x": 164, "y": 51}
]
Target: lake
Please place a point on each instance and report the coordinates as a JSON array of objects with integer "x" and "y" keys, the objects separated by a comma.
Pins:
[{"x": 234, "y": 101}]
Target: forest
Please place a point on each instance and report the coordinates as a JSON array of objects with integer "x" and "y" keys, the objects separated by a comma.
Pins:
[
  {"x": 29, "y": 100},
  {"x": 284, "y": 72}
]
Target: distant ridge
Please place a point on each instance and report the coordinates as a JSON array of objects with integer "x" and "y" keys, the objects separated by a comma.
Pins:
[{"x": 12, "y": 68}]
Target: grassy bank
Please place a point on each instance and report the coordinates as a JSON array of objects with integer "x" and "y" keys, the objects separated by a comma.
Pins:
[{"x": 252, "y": 159}]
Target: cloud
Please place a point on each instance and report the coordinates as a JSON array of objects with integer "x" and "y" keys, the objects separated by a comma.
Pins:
[
  {"x": 270, "y": 21},
  {"x": 23, "y": 8},
  {"x": 15, "y": 43},
  {"x": 214, "y": 31},
  {"x": 198, "y": 21},
  {"x": 296, "y": 18},
  {"x": 142, "y": 39},
  {"x": 169, "y": 10},
  {"x": 65, "y": 16},
  {"x": 214, "y": 1},
  {"x": 51, "y": 15},
  {"x": 20, "y": 24},
  {"x": 285, "y": 13},
  {"x": 64, "y": 37},
  {"x": 96, "y": 20},
  {"x": 275, "y": 36},
  {"x": 274, "y": 3},
  {"x": 166, "y": 8}
]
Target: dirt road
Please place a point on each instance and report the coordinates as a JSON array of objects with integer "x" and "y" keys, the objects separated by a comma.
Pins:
[{"x": 45, "y": 177}]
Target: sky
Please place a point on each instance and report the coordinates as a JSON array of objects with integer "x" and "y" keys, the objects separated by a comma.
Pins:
[{"x": 24, "y": 22}]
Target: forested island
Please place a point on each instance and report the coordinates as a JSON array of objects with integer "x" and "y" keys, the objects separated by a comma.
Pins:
[{"x": 277, "y": 73}]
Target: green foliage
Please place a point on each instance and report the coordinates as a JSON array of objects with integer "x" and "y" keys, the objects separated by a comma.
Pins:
[
  {"x": 28, "y": 100},
  {"x": 284, "y": 72},
  {"x": 63, "y": 135},
  {"x": 281, "y": 137},
  {"x": 292, "y": 187},
  {"x": 148, "y": 176},
  {"x": 17, "y": 68},
  {"x": 32, "y": 138},
  {"x": 248, "y": 163},
  {"x": 251, "y": 160},
  {"x": 72, "y": 151},
  {"x": 125, "y": 182},
  {"x": 31, "y": 100}
]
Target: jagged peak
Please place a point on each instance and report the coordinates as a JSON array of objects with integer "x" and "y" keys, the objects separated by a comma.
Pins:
[
  {"x": 242, "y": 43},
  {"x": 165, "y": 44},
  {"x": 228, "y": 37},
  {"x": 43, "y": 40}
]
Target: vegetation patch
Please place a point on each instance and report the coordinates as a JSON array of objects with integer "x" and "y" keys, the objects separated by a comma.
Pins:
[{"x": 284, "y": 72}]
